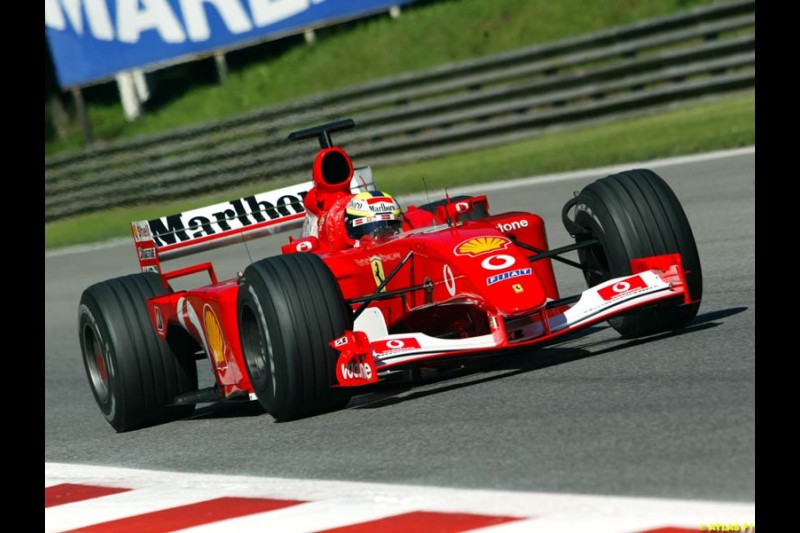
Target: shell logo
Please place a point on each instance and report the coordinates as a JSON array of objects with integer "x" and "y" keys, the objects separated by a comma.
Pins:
[
  {"x": 481, "y": 245},
  {"x": 216, "y": 341}
]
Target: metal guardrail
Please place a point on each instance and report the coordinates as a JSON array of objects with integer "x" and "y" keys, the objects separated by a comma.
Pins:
[{"x": 424, "y": 114}]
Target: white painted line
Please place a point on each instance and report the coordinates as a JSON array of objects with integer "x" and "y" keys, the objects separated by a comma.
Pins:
[
  {"x": 314, "y": 516},
  {"x": 124, "y": 504},
  {"x": 599, "y": 172},
  {"x": 84, "y": 248},
  {"x": 571, "y": 524},
  {"x": 337, "y": 503}
]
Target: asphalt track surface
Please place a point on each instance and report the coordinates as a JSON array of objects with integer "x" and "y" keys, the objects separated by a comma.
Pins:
[{"x": 671, "y": 415}]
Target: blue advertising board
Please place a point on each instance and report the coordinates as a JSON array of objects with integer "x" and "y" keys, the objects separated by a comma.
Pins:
[{"x": 91, "y": 40}]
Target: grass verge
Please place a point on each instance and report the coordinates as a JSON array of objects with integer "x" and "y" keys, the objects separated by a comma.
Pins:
[{"x": 428, "y": 34}]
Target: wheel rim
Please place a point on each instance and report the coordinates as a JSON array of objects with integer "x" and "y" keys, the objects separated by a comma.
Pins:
[
  {"x": 257, "y": 348},
  {"x": 97, "y": 364},
  {"x": 595, "y": 263}
]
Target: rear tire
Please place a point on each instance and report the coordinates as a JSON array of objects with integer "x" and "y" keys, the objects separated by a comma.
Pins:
[
  {"x": 636, "y": 214},
  {"x": 290, "y": 307},
  {"x": 134, "y": 374}
]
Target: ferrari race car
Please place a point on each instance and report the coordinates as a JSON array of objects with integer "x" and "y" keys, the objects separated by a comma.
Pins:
[{"x": 302, "y": 331}]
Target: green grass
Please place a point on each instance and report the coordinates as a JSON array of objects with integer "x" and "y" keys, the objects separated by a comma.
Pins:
[
  {"x": 430, "y": 34},
  {"x": 725, "y": 122}
]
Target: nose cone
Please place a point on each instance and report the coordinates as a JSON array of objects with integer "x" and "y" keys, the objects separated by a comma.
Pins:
[{"x": 491, "y": 267}]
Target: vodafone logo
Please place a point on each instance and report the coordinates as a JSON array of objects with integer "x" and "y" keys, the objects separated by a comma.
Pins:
[
  {"x": 462, "y": 207},
  {"x": 304, "y": 246},
  {"x": 356, "y": 371},
  {"x": 622, "y": 288},
  {"x": 498, "y": 262},
  {"x": 395, "y": 345}
]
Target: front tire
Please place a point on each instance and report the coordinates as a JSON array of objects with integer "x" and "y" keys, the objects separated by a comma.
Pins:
[
  {"x": 290, "y": 307},
  {"x": 636, "y": 214},
  {"x": 134, "y": 374}
]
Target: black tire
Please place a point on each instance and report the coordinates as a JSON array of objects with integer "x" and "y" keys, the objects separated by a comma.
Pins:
[
  {"x": 636, "y": 214},
  {"x": 290, "y": 307},
  {"x": 133, "y": 373}
]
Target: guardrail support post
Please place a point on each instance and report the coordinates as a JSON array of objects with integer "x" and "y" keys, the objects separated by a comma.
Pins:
[
  {"x": 128, "y": 96},
  {"x": 141, "y": 84},
  {"x": 222, "y": 66}
]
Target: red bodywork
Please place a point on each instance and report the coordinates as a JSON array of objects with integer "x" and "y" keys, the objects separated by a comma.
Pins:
[{"x": 462, "y": 286}]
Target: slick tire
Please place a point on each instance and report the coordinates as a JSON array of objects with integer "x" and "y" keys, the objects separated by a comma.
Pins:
[
  {"x": 290, "y": 307},
  {"x": 636, "y": 214},
  {"x": 134, "y": 374}
]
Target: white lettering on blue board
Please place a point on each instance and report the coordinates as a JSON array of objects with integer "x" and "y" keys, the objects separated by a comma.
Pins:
[{"x": 134, "y": 17}]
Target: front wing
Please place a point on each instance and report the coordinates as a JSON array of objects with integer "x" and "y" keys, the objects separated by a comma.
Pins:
[{"x": 365, "y": 358}]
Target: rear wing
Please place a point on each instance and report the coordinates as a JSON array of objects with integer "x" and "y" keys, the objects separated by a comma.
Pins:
[{"x": 214, "y": 226}]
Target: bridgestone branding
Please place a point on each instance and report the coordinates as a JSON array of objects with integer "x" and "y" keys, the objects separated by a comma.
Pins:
[{"x": 513, "y": 225}]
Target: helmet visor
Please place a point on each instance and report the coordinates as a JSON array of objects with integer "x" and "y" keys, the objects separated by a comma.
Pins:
[{"x": 374, "y": 225}]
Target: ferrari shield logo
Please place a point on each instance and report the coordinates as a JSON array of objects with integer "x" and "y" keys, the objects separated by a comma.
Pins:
[
  {"x": 376, "y": 265},
  {"x": 517, "y": 288}
]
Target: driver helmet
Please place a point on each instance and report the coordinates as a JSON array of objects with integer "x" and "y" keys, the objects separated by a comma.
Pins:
[{"x": 372, "y": 213}]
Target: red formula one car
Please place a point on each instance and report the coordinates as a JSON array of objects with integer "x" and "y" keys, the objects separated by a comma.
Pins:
[{"x": 341, "y": 308}]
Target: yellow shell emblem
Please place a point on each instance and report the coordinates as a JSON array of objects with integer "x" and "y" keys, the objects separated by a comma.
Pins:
[
  {"x": 481, "y": 245},
  {"x": 216, "y": 341}
]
